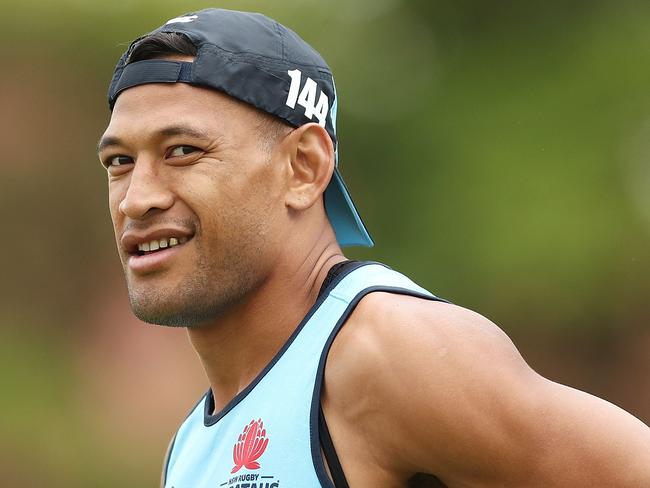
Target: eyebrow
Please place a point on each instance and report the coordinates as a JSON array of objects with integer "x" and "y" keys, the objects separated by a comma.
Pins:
[{"x": 169, "y": 131}]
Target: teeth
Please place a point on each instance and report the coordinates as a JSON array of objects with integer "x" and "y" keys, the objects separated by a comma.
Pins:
[{"x": 161, "y": 244}]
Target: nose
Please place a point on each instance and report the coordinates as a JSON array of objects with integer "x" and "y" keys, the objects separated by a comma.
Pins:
[{"x": 147, "y": 192}]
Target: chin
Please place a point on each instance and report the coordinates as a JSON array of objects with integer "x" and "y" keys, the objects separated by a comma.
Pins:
[
  {"x": 193, "y": 298},
  {"x": 179, "y": 308},
  {"x": 159, "y": 310}
]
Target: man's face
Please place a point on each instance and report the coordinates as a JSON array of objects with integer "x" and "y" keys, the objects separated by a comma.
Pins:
[{"x": 191, "y": 181}]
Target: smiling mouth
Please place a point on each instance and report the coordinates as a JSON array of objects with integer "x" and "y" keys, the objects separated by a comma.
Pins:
[{"x": 157, "y": 245}]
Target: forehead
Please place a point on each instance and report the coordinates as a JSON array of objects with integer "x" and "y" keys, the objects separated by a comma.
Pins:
[{"x": 147, "y": 107}]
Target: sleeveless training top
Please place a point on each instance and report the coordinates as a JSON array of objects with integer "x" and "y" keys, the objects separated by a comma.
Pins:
[{"x": 268, "y": 435}]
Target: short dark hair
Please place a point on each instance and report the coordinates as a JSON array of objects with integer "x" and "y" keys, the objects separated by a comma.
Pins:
[
  {"x": 160, "y": 45},
  {"x": 165, "y": 44}
]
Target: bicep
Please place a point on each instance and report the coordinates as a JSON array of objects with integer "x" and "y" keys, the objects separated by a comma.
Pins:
[{"x": 585, "y": 440}]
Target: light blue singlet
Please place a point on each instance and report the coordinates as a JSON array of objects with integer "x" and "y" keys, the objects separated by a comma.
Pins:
[{"x": 267, "y": 436}]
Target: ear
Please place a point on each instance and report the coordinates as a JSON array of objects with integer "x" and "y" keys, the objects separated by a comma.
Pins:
[{"x": 311, "y": 165}]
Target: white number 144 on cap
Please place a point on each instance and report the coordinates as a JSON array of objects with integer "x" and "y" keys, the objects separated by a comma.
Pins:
[{"x": 307, "y": 97}]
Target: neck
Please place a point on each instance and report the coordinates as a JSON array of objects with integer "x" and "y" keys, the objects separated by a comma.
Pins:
[{"x": 238, "y": 345}]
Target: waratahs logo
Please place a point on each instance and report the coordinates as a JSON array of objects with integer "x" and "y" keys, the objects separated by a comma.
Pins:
[{"x": 250, "y": 446}]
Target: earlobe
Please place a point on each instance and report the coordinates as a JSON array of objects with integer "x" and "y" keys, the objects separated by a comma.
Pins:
[{"x": 312, "y": 164}]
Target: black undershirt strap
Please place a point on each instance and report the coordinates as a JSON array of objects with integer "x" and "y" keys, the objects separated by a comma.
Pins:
[
  {"x": 329, "y": 452},
  {"x": 338, "y": 476},
  {"x": 334, "y": 272}
]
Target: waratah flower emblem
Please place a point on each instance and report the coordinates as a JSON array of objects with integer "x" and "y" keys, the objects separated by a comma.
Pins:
[{"x": 250, "y": 446}]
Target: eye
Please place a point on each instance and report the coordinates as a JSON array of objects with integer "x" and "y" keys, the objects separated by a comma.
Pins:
[
  {"x": 179, "y": 151},
  {"x": 114, "y": 161}
]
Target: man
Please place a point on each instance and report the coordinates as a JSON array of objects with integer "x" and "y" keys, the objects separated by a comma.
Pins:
[{"x": 230, "y": 214}]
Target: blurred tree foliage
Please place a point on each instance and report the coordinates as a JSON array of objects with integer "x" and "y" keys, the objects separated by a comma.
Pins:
[{"x": 497, "y": 151}]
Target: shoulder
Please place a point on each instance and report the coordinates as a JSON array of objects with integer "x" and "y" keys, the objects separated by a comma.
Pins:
[
  {"x": 390, "y": 331},
  {"x": 405, "y": 370}
]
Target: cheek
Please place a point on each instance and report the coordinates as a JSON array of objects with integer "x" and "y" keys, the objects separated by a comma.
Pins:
[
  {"x": 260, "y": 201},
  {"x": 245, "y": 218},
  {"x": 265, "y": 185},
  {"x": 233, "y": 205},
  {"x": 115, "y": 197}
]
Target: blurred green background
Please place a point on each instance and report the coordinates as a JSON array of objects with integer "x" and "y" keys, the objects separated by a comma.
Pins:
[{"x": 498, "y": 151}]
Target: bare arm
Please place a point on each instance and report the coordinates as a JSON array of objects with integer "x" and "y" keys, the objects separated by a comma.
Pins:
[{"x": 458, "y": 401}]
